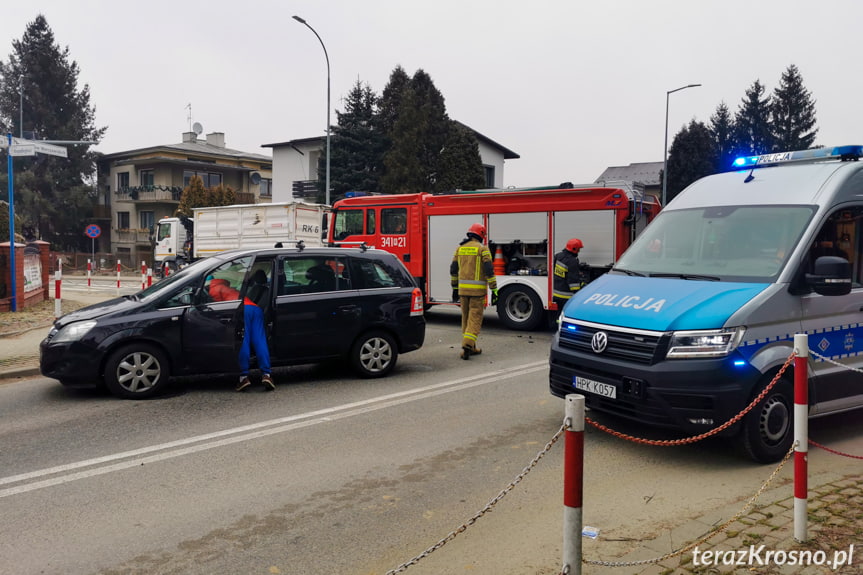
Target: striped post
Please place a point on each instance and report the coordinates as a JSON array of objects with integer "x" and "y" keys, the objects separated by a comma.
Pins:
[
  {"x": 89, "y": 271},
  {"x": 58, "y": 278},
  {"x": 118, "y": 277},
  {"x": 801, "y": 434},
  {"x": 573, "y": 483},
  {"x": 149, "y": 277},
  {"x": 143, "y": 274}
]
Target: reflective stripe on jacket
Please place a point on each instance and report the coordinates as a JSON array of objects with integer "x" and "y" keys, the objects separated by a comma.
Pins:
[
  {"x": 472, "y": 269},
  {"x": 567, "y": 275}
]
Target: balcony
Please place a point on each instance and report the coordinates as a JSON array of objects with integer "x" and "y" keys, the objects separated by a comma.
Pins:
[
  {"x": 131, "y": 236},
  {"x": 150, "y": 194}
]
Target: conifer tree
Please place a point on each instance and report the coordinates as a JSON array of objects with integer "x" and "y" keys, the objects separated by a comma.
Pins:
[
  {"x": 460, "y": 162},
  {"x": 793, "y": 113},
  {"x": 692, "y": 156},
  {"x": 54, "y": 196},
  {"x": 722, "y": 131},
  {"x": 753, "y": 134}
]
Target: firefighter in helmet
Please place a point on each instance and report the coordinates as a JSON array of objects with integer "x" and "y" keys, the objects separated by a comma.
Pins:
[
  {"x": 567, "y": 273},
  {"x": 471, "y": 274}
]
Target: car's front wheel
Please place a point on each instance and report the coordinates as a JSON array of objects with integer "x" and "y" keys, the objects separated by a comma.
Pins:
[
  {"x": 374, "y": 354},
  {"x": 768, "y": 429},
  {"x": 137, "y": 371}
]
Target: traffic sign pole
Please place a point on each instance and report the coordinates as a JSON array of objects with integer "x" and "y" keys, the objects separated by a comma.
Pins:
[{"x": 13, "y": 302}]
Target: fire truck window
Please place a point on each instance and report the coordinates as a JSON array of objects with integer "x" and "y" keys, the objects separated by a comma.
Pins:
[
  {"x": 370, "y": 222},
  {"x": 393, "y": 220},
  {"x": 348, "y": 223}
]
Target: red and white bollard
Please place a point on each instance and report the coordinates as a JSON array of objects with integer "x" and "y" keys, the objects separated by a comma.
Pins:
[
  {"x": 58, "y": 278},
  {"x": 89, "y": 271},
  {"x": 573, "y": 483},
  {"x": 118, "y": 277},
  {"x": 149, "y": 277},
  {"x": 143, "y": 275},
  {"x": 801, "y": 435}
]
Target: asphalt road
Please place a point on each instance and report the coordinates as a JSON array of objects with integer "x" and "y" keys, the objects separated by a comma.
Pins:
[{"x": 331, "y": 474}]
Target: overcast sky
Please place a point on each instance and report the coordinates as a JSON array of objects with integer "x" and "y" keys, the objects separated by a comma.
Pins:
[{"x": 572, "y": 86}]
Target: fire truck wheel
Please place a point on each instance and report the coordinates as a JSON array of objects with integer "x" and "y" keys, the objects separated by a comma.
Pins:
[
  {"x": 520, "y": 308},
  {"x": 768, "y": 430},
  {"x": 374, "y": 354}
]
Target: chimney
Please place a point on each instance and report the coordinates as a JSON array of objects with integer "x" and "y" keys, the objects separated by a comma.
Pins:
[
  {"x": 190, "y": 137},
  {"x": 216, "y": 139}
]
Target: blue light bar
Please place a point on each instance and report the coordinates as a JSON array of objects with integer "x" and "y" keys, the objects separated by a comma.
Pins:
[{"x": 838, "y": 152}]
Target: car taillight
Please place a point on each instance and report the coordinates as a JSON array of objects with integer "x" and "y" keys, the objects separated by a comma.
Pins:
[{"x": 417, "y": 302}]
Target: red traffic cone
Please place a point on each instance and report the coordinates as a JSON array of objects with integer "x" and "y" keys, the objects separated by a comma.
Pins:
[{"x": 499, "y": 262}]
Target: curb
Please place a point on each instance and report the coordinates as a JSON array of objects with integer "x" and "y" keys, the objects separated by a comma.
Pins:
[{"x": 19, "y": 373}]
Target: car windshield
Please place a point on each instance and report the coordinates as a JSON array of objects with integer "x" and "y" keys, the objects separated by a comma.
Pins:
[
  {"x": 724, "y": 243},
  {"x": 162, "y": 287}
]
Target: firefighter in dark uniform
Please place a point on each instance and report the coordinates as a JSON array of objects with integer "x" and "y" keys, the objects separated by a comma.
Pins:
[
  {"x": 567, "y": 274},
  {"x": 471, "y": 274}
]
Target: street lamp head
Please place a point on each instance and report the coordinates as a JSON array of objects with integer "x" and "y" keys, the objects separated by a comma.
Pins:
[{"x": 300, "y": 20}]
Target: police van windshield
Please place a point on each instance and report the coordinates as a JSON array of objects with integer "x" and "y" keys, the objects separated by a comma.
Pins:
[{"x": 727, "y": 243}]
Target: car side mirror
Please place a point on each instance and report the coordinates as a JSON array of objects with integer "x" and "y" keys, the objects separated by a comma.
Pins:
[{"x": 831, "y": 276}]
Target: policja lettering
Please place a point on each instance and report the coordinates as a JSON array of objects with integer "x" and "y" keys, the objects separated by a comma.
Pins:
[{"x": 616, "y": 300}]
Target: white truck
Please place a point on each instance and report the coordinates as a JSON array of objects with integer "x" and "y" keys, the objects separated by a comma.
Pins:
[{"x": 181, "y": 240}]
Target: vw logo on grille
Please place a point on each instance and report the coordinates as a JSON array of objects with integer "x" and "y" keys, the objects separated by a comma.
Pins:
[{"x": 599, "y": 342}]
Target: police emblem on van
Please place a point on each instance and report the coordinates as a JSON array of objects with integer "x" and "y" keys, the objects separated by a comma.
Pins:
[{"x": 599, "y": 342}]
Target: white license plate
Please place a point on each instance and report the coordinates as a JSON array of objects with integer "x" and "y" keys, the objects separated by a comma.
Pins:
[{"x": 590, "y": 386}]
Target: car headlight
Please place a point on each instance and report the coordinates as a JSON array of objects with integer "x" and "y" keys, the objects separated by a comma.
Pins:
[
  {"x": 705, "y": 343},
  {"x": 73, "y": 331}
]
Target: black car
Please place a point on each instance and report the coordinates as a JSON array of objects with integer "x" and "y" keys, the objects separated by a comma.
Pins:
[{"x": 356, "y": 304}]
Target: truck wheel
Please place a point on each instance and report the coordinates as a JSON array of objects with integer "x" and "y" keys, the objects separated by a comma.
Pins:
[
  {"x": 136, "y": 371},
  {"x": 768, "y": 429},
  {"x": 374, "y": 354},
  {"x": 520, "y": 308}
]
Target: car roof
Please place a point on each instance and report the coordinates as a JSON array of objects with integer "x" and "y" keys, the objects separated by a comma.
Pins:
[{"x": 316, "y": 250}]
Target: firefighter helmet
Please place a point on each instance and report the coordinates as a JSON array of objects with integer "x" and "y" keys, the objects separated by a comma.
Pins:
[
  {"x": 574, "y": 245},
  {"x": 477, "y": 230}
]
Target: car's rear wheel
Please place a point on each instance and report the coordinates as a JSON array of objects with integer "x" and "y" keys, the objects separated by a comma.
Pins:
[
  {"x": 137, "y": 371},
  {"x": 374, "y": 354}
]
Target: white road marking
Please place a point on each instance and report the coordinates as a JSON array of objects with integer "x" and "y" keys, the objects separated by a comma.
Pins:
[{"x": 172, "y": 449}]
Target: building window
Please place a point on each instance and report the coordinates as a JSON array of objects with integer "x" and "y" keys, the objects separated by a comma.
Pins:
[
  {"x": 147, "y": 178},
  {"x": 148, "y": 220},
  {"x": 122, "y": 181},
  {"x": 123, "y": 220},
  {"x": 489, "y": 176},
  {"x": 211, "y": 179},
  {"x": 266, "y": 187}
]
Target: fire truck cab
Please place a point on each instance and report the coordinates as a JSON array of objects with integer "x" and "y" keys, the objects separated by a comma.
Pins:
[{"x": 526, "y": 228}]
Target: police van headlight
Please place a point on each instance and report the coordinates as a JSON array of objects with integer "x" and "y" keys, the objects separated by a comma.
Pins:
[{"x": 705, "y": 343}]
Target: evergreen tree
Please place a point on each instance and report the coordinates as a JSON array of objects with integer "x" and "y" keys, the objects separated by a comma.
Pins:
[
  {"x": 357, "y": 146},
  {"x": 692, "y": 156},
  {"x": 793, "y": 113},
  {"x": 418, "y": 136},
  {"x": 54, "y": 196},
  {"x": 390, "y": 102},
  {"x": 722, "y": 131},
  {"x": 460, "y": 162},
  {"x": 194, "y": 196},
  {"x": 753, "y": 134}
]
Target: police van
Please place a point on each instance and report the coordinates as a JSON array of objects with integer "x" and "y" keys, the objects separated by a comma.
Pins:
[{"x": 699, "y": 314}]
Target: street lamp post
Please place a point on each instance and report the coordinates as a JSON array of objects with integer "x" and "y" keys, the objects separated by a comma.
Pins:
[
  {"x": 665, "y": 150},
  {"x": 327, "y": 181}
]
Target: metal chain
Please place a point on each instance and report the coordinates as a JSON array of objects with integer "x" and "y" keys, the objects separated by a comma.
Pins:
[
  {"x": 834, "y": 362},
  {"x": 452, "y": 535},
  {"x": 710, "y": 533},
  {"x": 714, "y": 431}
]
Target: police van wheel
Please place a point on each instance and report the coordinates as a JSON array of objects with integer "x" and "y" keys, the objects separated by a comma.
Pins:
[
  {"x": 768, "y": 429},
  {"x": 520, "y": 308}
]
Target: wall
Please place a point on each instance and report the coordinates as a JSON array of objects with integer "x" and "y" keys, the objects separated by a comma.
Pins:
[{"x": 23, "y": 299}]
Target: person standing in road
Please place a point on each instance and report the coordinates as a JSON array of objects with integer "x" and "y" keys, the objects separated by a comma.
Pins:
[
  {"x": 255, "y": 334},
  {"x": 567, "y": 273},
  {"x": 471, "y": 274}
]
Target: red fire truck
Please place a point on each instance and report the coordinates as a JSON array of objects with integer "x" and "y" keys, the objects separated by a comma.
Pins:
[{"x": 526, "y": 227}]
